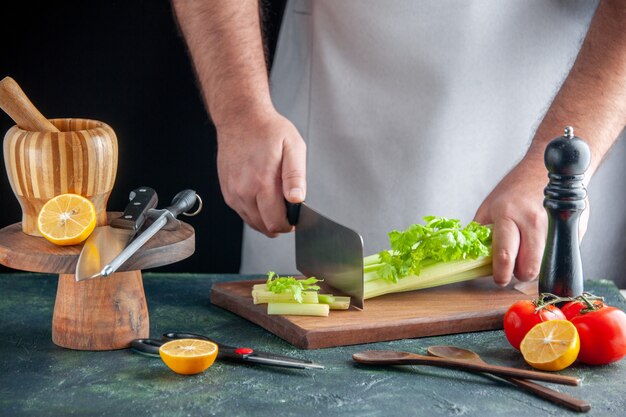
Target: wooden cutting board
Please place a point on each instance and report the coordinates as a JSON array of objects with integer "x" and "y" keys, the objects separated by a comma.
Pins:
[{"x": 458, "y": 308}]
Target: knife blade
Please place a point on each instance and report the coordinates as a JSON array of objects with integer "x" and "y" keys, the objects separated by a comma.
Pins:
[
  {"x": 328, "y": 250},
  {"x": 107, "y": 242},
  {"x": 181, "y": 203}
]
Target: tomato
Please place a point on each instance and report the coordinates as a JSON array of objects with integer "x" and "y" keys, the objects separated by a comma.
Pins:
[
  {"x": 521, "y": 317},
  {"x": 572, "y": 309},
  {"x": 602, "y": 332}
]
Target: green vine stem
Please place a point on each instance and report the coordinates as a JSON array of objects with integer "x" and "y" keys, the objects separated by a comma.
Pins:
[
  {"x": 547, "y": 299},
  {"x": 589, "y": 300}
]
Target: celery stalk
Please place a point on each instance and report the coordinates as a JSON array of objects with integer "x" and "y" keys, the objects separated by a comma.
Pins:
[
  {"x": 340, "y": 303},
  {"x": 326, "y": 298},
  {"x": 439, "y": 252},
  {"x": 298, "y": 309},
  {"x": 262, "y": 297},
  {"x": 432, "y": 276},
  {"x": 335, "y": 302}
]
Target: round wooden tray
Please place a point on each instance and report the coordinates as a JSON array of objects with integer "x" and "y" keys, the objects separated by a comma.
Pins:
[
  {"x": 102, "y": 313},
  {"x": 28, "y": 253}
]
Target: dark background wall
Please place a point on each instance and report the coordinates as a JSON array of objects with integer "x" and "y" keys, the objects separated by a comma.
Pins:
[{"x": 125, "y": 63}]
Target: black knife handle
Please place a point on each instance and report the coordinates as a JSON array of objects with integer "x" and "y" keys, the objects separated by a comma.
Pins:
[
  {"x": 293, "y": 212},
  {"x": 147, "y": 346},
  {"x": 182, "y": 202},
  {"x": 142, "y": 199}
]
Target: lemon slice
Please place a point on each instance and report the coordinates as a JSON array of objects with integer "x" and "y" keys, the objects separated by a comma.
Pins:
[
  {"x": 188, "y": 356},
  {"x": 67, "y": 219},
  {"x": 551, "y": 346}
]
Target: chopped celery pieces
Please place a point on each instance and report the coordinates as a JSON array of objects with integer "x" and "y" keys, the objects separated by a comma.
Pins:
[
  {"x": 335, "y": 302},
  {"x": 326, "y": 298},
  {"x": 263, "y": 297},
  {"x": 279, "y": 285},
  {"x": 296, "y": 309},
  {"x": 287, "y": 295}
]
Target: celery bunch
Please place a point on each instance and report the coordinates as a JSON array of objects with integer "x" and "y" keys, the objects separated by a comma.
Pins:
[{"x": 439, "y": 252}]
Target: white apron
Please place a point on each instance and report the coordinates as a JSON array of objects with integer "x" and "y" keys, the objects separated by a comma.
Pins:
[{"x": 415, "y": 108}]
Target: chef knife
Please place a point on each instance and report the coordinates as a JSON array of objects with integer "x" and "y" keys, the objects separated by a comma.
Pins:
[
  {"x": 105, "y": 243},
  {"x": 181, "y": 203},
  {"x": 328, "y": 250}
]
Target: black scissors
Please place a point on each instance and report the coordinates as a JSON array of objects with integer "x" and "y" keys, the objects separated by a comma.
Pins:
[{"x": 224, "y": 352}]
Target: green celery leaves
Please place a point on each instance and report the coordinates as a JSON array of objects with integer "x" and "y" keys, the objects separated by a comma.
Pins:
[
  {"x": 278, "y": 284},
  {"x": 439, "y": 240}
]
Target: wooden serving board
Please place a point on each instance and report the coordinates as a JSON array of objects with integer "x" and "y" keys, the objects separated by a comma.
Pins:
[{"x": 458, "y": 308}]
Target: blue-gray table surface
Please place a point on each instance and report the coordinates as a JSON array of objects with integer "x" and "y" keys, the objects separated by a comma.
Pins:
[{"x": 38, "y": 378}]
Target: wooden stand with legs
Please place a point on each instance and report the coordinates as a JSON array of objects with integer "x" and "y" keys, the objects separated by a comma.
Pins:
[{"x": 101, "y": 313}]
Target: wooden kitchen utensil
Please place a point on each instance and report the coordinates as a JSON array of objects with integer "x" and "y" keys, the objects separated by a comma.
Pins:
[
  {"x": 46, "y": 158},
  {"x": 576, "y": 404},
  {"x": 17, "y": 105},
  {"x": 392, "y": 357},
  {"x": 80, "y": 159}
]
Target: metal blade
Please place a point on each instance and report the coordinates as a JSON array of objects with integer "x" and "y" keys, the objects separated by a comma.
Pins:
[
  {"x": 330, "y": 251},
  {"x": 106, "y": 243},
  {"x": 181, "y": 202},
  {"x": 124, "y": 255},
  {"x": 102, "y": 246},
  {"x": 284, "y": 363}
]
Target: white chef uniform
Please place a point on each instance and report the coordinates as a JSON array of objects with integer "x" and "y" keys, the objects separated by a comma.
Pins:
[{"x": 415, "y": 108}]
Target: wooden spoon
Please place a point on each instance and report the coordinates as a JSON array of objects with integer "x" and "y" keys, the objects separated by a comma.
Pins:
[
  {"x": 23, "y": 112},
  {"x": 576, "y": 404},
  {"x": 392, "y": 357}
]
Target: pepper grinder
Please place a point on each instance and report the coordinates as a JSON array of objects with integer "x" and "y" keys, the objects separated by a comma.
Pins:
[{"x": 566, "y": 158}]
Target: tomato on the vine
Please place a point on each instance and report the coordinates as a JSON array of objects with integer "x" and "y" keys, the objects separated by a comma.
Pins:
[
  {"x": 572, "y": 308},
  {"x": 602, "y": 331},
  {"x": 524, "y": 315}
]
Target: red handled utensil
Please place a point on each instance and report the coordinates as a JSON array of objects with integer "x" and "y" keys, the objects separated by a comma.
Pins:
[{"x": 151, "y": 347}]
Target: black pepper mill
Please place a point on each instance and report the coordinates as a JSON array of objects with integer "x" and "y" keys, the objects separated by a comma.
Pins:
[{"x": 566, "y": 158}]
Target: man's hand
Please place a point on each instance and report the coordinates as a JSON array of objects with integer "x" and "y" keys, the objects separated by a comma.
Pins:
[
  {"x": 515, "y": 208},
  {"x": 261, "y": 161},
  {"x": 261, "y": 157}
]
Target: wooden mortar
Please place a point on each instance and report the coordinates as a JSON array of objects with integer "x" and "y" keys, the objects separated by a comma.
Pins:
[
  {"x": 45, "y": 158},
  {"x": 81, "y": 158}
]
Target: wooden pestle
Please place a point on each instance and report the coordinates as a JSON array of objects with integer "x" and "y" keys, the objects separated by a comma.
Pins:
[{"x": 17, "y": 105}]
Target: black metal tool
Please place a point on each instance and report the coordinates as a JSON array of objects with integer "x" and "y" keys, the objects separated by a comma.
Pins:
[
  {"x": 225, "y": 352},
  {"x": 107, "y": 242},
  {"x": 182, "y": 202}
]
